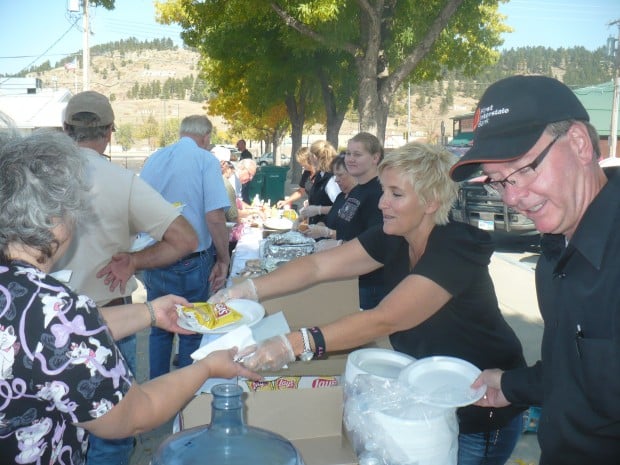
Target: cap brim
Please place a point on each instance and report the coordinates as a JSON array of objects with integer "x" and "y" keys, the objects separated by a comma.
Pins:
[{"x": 496, "y": 149}]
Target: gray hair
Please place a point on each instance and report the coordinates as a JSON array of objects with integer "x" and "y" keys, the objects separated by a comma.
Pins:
[
  {"x": 43, "y": 182},
  {"x": 561, "y": 127},
  {"x": 247, "y": 163},
  {"x": 427, "y": 168},
  {"x": 197, "y": 125}
]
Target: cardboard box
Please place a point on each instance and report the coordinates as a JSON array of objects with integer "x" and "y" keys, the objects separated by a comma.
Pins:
[{"x": 310, "y": 418}]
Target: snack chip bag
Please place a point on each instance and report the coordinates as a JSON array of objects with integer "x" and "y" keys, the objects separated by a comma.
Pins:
[{"x": 211, "y": 316}]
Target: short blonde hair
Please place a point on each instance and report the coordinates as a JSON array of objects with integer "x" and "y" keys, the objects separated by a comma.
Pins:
[
  {"x": 427, "y": 168},
  {"x": 324, "y": 153}
]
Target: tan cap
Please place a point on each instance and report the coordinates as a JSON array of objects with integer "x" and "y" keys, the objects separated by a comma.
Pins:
[{"x": 89, "y": 102}]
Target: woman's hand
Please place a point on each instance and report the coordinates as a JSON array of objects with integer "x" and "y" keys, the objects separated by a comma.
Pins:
[
  {"x": 316, "y": 231},
  {"x": 223, "y": 364},
  {"x": 166, "y": 316},
  {"x": 243, "y": 290},
  {"x": 310, "y": 210},
  {"x": 269, "y": 355}
]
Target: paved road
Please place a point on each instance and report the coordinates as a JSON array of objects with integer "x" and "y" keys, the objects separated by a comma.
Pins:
[{"x": 512, "y": 269}]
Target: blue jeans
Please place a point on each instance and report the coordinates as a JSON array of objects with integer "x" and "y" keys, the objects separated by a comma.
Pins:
[
  {"x": 109, "y": 451},
  {"x": 114, "y": 451},
  {"x": 492, "y": 448},
  {"x": 187, "y": 278},
  {"x": 370, "y": 296}
]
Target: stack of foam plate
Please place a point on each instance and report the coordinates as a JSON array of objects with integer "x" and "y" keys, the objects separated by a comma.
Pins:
[
  {"x": 418, "y": 433},
  {"x": 382, "y": 363},
  {"x": 427, "y": 431},
  {"x": 420, "y": 427}
]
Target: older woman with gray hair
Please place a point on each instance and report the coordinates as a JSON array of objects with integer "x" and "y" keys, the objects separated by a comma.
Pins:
[
  {"x": 61, "y": 374},
  {"x": 440, "y": 301}
]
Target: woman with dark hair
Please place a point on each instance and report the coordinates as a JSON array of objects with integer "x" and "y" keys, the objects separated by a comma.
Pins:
[{"x": 326, "y": 232}]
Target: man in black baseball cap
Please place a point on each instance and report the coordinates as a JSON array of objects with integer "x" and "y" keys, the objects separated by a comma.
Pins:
[
  {"x": 511, "y": 117},
  {"x": 534, "y": 142}
]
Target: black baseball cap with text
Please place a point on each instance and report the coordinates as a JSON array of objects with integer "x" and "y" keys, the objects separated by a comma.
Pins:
[{"x": 512, "y": 115}]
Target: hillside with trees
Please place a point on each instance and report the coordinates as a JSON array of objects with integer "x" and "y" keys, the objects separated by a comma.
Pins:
[{"x": 153, "y": 84}]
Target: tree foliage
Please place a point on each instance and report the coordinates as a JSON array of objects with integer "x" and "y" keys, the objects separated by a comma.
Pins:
[{"x": 388, "y": 41}]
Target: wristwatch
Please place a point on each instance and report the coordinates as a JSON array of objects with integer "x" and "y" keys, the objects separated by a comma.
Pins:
[{"x": 307, "y": 354}]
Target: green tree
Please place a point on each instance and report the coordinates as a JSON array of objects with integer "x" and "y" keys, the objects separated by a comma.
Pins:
[
  {"x": 388, "y": 41},
  {"x": 124, "y": 136},
  {"x": 149, "y": 130},
  {"x": 169, "y": 132}
]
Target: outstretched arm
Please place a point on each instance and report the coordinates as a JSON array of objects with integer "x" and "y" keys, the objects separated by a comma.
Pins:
[{"x": 151, "y": 404}]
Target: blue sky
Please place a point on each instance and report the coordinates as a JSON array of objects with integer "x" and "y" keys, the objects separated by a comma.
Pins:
[{"x": 32, "y": 31}]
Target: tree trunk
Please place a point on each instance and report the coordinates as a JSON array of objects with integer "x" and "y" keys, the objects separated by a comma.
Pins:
[
  {"x": 369, "y": 108},
  {"x": 296, "y": 109},
  {"x": 296, "y": 141},
  {"x": 333, "y": 117}
]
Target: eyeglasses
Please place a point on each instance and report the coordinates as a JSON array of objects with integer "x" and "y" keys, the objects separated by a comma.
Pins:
[{"x": 525, "y": 175}]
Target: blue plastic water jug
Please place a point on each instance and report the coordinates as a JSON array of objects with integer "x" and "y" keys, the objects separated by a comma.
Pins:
[{"x": 227, "y": 440}]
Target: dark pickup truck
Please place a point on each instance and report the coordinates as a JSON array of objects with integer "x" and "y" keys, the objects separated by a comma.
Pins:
[{"x": 481, "y": 206}]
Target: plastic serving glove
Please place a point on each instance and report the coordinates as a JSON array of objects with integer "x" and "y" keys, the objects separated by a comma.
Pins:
[
  {"x": 243, "y": 290},
  {"x": 269, "y": 355},
  {"x": 316, "y": 231},
  {"x": 309, "y": 211}
]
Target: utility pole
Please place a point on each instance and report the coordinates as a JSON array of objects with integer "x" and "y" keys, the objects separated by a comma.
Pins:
[
  {"x": 614, "y": 51},
  {"x": 85, "y": 47}
]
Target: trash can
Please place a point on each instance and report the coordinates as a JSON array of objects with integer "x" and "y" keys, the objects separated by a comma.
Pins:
[
  {"x": 274, "y": 179},
  {"x": 257, "y": 185}
]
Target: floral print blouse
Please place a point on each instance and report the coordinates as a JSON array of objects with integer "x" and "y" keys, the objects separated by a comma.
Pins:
[{"x": 59, "y": 365}]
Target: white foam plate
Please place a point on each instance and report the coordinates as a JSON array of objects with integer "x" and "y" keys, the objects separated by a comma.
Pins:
[
  {"x": 280, "y": 224},
  {"x": 443, "y": 381},
  {"x": 252, "y": 312}
]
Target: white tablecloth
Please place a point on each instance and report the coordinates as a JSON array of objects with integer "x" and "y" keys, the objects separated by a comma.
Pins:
[{"x": 247, "y": 249}]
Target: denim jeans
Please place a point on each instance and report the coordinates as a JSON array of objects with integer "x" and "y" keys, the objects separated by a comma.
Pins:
[
  {"x": 109, "y": 451},
  {"x": 493, "y": 448},
  {"x": 370, "y": 296},
  {"x": 187, "y": 278},
  {"x": 114, "y": 451}
]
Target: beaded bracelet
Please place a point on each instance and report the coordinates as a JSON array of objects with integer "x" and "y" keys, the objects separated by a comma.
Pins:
[
  {"x": 319, "y": 342},
  {"x": 149, "y": 306}
]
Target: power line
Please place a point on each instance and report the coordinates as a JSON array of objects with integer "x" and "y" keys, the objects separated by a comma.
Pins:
[{"x": 47, "y": 50}]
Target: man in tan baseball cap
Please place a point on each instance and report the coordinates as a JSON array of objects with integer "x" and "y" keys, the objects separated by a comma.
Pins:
[
  {"x": 101, "y": 259},
  {"x": 89, "y": 109}
]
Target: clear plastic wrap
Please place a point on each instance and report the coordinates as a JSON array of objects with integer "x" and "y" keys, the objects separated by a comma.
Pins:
[{"x": 387, "y": 425}]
